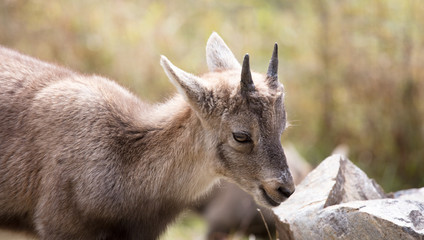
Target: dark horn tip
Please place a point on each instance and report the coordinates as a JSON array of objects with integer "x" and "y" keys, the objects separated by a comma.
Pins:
[
  {"x": 275, "y": 52},
  {"x": 246, "y": 77},
  {"x": 246, "y": 64},
  {"x": 246, "y": 57},
  {"x": 273, "y": 65}
]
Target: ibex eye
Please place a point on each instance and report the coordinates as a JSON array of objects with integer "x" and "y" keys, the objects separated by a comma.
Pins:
[{"x": 242, "y": 137}]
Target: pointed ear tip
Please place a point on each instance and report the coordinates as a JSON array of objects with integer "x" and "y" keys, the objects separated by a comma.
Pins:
[
  {"x": 213, "y": 39},
  {"x": 163, "y": 60},
  {"x": 214, "y": 35}
]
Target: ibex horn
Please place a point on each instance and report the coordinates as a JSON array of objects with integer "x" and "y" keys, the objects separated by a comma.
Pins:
[
  {"x": 246, "y": 77},
  {"x": 272, "y": 74}
]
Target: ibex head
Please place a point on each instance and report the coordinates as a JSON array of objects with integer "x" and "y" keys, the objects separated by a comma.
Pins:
[{"x": 243, "y": 112}]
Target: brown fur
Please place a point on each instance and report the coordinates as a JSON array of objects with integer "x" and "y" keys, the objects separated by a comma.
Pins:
[{"x": 83, "y": 158}]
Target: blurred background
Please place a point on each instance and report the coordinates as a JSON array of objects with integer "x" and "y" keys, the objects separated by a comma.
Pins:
[{"x": 353, "y": 70}]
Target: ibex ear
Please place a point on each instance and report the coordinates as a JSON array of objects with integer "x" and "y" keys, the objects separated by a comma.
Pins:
[
  {"x": 191, "y": 87},
  {"x": 218, "y": 56}
]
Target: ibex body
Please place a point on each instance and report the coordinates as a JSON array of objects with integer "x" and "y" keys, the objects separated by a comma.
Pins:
[{"x": 83, "y": 158}]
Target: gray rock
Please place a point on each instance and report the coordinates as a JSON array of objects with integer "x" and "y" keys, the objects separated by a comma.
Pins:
[
  {"x": 388, "y": 219},
  {"x": 416, "y": 194},
  {"x": 336, "y": 180}
]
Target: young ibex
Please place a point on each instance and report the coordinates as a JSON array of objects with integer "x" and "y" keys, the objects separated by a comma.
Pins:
[{"x": 83, "y": 158}]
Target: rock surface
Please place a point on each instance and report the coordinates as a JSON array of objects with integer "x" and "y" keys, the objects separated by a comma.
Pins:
[
  {"x": 388, "y": 219},
  {"x": 323, "y": 206},
  {"x": 336, "y": 180},
  {"x": 416, "y": 194}
]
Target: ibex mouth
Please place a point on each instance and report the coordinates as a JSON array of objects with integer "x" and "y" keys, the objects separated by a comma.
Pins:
[{"x": 269, "y": 200}]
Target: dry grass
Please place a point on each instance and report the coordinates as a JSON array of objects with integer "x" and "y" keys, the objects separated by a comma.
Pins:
[
  {"x": 6, "y": 234},
  {"x": 353, "y": 70}
]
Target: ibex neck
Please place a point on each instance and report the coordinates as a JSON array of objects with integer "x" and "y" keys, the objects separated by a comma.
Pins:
[{"x": 179, "y": 153}]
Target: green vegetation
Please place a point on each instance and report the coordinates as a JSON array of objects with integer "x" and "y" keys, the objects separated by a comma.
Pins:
[
  {"x": 188, "y": 226},
  {"x": 353, "y": 70}
]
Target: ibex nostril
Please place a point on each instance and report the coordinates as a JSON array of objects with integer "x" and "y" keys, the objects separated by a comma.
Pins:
[{"x": 285, "y": 192}]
